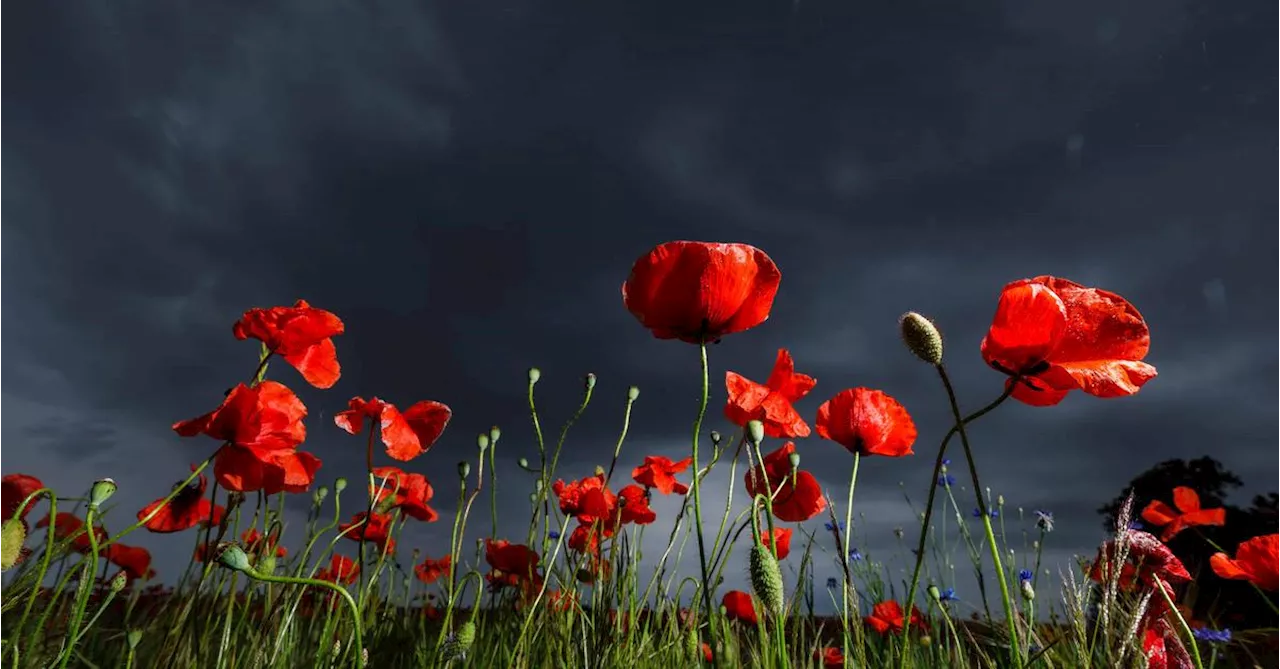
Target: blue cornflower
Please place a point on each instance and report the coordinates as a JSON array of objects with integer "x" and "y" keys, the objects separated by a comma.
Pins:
[
  {"x": 832, "y": 528},
  {"x": 1212, "y": 636},
  {"x": 946, "y": 461},
  {"x": 1135, "y": 525},
  {"x": 554, "y": 535},
  {"x": 948, "y": 595},
  {"x": 1025, "y": 575},
  {"x": 946, "y": 480},
  {"x": 855, "y": 555},
  {"x": 832, "y": 583},
  {"x": 1044, "y": 520},
  {"x": 995, "y": 513}
]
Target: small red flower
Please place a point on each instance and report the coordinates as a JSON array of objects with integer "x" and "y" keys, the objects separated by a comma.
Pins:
[
  {"x": 887, "y": 618},
  {"x": 799, "y": 497},
  {"x": 300, "y": 334},
  {"x": 411, "y": 492},
  {"x": 867, "y": 421},
  {"x": 69, "y": 526},
  {"x": 377, "y": 531},
  {"x": 738, "y": 605},
  {"x": 1188, "y": 513},
  {"x": 782, "y": 535},
  {"x": 186, "y": 510},
  {"x": 588, "y": 500},
  {"x": 829, "y": 656},
  {"x": 772, "y": 403},
  {"x": 634, "y": 503},
  {"x": 14, "y": 490},
  {"x": 699, "y": 291},
  {"x": 342, "y": 570},
  {"x": 406, "y": 434},
  {"x": 659, "y": 472},
  {"x": 1255, "y": 561},
  {"x": 134, "y": 561},
  {"x": 431, "y": 570},
  {"x": 585, "y": 539},
  {"x": 1061, "y": 336},
  {"x": 515, "y": 560},
  {"x": 265, "y": 420}
]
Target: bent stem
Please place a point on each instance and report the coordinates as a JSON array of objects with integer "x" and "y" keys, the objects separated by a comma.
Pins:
[
  {"x": 315, "y": 582},
  {"x": 697, "y": 488},
  {"x": 1010, "y": 617}
]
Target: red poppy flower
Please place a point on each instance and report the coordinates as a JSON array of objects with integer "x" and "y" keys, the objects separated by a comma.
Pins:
[
  {"x": 406, "y": 434},
  {"x": 514, "y": 563},
  {"x": 300, "y": 334},
  {"x": 377, "y": 531},
  {"x": 408, "y": 492},
  {"x": 634, "y": 502},
  {"x": 1188, "y": 514},
  {"x": 342, "y": 570},
  {"x": 659, "y": 472},
  {"x": 799, "y": 497},
  {"x": 867, "y": 421},
  {"x": 738, "y": 605},
  {"x": 69, "y": 526},
  {"x": 699, "y": 291},
  {"x": 239, "y": 470},
  {"x": 829, "y": 656},
  {"x": 1061, "y": 336},
  {"x": 887, "y": 618},
  {"x": 186, "y": 510},
  {"x": 265, "y": 419},
  {"x": 1145, "y": 559},
  {"x": 706, "y": 651},
  {"x": 588, "y": 499},
  {"x": 782, "y": 536},
  {"x": 771, "y": 404},
  {"x": 1153, "y": 649},
  {"x": 1255, "y": 562},
  {"x": 134, "y": 561},
  {"x": 255, "y": 543},
  {"x": 585, "y": 539},
  {"x": 14, "y": 490},
  {"x": 431, "y": 570}
]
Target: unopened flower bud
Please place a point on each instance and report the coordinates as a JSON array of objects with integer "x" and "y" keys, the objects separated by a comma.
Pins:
[
  {"x": 118, "y": 582},
  {"x": 102, "y": 490},
  {"x": 1000, "y": 501},
  {"x": 495, "y": 434},
  {"x": 340, "y": 484},
  {"x": 266, "y": 564},
  {"x": 321, "y": 493},
  {"x": 482, "y": 442},
  {"x": 632, "y": 393},
  {"x": 233, "y": 557},
  {"x": 133, "y": 638},
  {"x": 715, "y": 438},
  {"x": 523, "y": 462},
  {"x": 464, "y": 470},
  {"x": 794, "y": 459},
  {"x": 533, "y": 497},
  {"x": 537, "y": 485},
  {"x": 921, "y": 337},
  {"x": 590, "y": 381},
  {"x": 1028, "y": 592},
  {"x": 755, "y": 432},
  {"x": 926, "y": 641},
  {"x": 534, "y": 375},
  {"x": 934, "y": 593}
]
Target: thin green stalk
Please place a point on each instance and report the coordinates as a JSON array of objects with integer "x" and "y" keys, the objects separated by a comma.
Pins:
[
  {"x": 697, "y": 488},
  {"x": 88, "y": 568},
  {"x": 844, "y": 553},
  {"x": 1182, "y": 623},
  {"x": 315, "y": 582}
]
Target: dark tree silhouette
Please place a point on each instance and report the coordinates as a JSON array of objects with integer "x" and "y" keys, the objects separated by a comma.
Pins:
[{"x": 1213, "y": 601}]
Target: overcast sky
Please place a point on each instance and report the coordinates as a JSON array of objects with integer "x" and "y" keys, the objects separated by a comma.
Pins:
[{"x": 468, "y": 184}]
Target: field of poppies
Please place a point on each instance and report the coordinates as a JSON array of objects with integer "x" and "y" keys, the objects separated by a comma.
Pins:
[{"x": 572, "y": 591}]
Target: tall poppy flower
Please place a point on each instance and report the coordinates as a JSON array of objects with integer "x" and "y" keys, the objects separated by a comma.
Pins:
[
  {"x": 588, "y": 499},
  {"x": 738, "y": 605},
  {"x": 186, "y": 510},
  {"x": 799, "y": 497},
  {"x": 430, "y": 570},
  {"x": 699, "y": 291},
  {"x": 781, "y": 536},
  {"x": 659, "y": 472},
  {"x": 406, "y": 434},
  {"x": 867, "y": 421},
  {"x": 14, "y": 490},
  {"x": 342, "y": 570},
  {"x": 633, "y": 504},
  {"x": 1188, "y": 513},
  {"x": 1061, "y": 336},
  {"x": 771, "y": 403},
  {"x": 377, "y": 530},
  {"x": 265, "y": 419},
  {"x": 1255, "y": 561},
  {"x": 300, "y": 334},
  {"x": 887, "y": 618},
  {"x": 405, "y": 491}
]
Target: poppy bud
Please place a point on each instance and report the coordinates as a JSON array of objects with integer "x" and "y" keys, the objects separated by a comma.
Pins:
[
  {"x": 1000, "y": 501},
  {"x": 794, "y": 459},
  {"x": 340, "y": 484},
  {"x": 321, "y": 493},
  {"x": 755, "y": 432},
  {"x": 233, "y": 557},
  {"x": 537, "y": 485},
  {"x": 102, "y": 490},
  {"x": 482, "y": 442},
  {"x": 921, "y": 337},
  {"x": 133, "y": 638},
  {"x": 766, "y": 579},
  {"x": 534, "y": 375},
  {"x": 533, "y": 497},
  {"x": 464, "y": 470},
  {"x": 590, "y": 381},
  {"x": 934, "y": 593},
  {"x": 12, "y": 536},
  {"x": 117, "y": 582},
  {"x": 715, "y": 438},
  {"x": 266, "y": 564},
  {"x": 523, "y": 462},
  {"x": 926, "y": 641},
  {"x": 494, "y": 434},
  {"x": 632, "y": 393}
]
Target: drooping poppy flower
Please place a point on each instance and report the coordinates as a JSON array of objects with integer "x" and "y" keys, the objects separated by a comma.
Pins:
[
  {"x": 1061, "y": 336},
  {"x": 700, "y": 291},
  {"x": 430, "y": 570},
  {"x": 265, "y": 420},
  {"x": 589, "y": 499},
  {"x": 739, "y": 605},
  {"x": 1146, "y": 558},
  {"x": 240, "y": 470},
  {"x": 867, "y": 421},
  {"x": 1188, "y": 513},
  {"x": 515, "y": 560},
  {"x": 887, "y": 618},
  {"x": 1256, "y": 561},
  {"x": 186, "y": 510},
  {"x": 69, "y": 526},
  {"x": 405, "y": 491},
  {"x": 134, "y": 561},
  {"x": 376, "y": 531},
  {"x": 659, "y": 472},
  {"x": 14, "y": 490},
  {"x": 771, "y": 403},
  {"x": 634, "y": 506},
  {"x": 300, "y": 334},
  {"x": 799, "y": 497},
  {"x": 781, "y": 536},
  {"x": 342, "y": 570},
  {"x": 829, "y": 656},
  {"x": 255, "y": 543},
  {"x": 406, "y": 434}
]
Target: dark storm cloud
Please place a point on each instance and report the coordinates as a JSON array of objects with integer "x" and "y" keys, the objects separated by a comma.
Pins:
[{"x": 468, "y": 189}]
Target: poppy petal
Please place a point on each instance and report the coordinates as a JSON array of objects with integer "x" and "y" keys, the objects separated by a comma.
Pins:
[
  {"x": 1186, "y": 499},
  {"x": 1029, "y": 323},
  {"x": 1158, "y": 513}
]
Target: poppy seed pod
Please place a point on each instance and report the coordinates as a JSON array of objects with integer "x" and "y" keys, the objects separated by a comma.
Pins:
[
  {"x": 590, "y": 381},
  {"x": 102, "y": 490},
  {"x": 482, "y": 442},
  {"x": 794, "y": 459},
  {"x": 632, "y": 393},
  {"x": 494, "y": 434},
  {"x": 921, "y": 337},
  {"x": 534, "y": 375},
  {"x": 464, "y": 470},
  {"x": 321, "y": 493},
  {"x": 233, "y": 557},
  {"x": 755, "y": 432},
  {"x": 340, "y": 484},
  {"x": 934, "y": 593}
]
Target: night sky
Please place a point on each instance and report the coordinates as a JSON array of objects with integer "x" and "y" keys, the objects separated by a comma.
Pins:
[{"x": 468, "y": 184}]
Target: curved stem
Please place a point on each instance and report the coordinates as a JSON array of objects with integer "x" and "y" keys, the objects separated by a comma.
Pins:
[
  {"x": 697, "y": 485},
  {"x": 315, "y": 582}
]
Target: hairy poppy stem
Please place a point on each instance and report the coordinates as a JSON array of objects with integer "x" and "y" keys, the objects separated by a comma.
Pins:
[
  {"x": 697, "y": 496},
  {"x": 84, "y": 589},
  {"x": 844, "y": 551}
]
